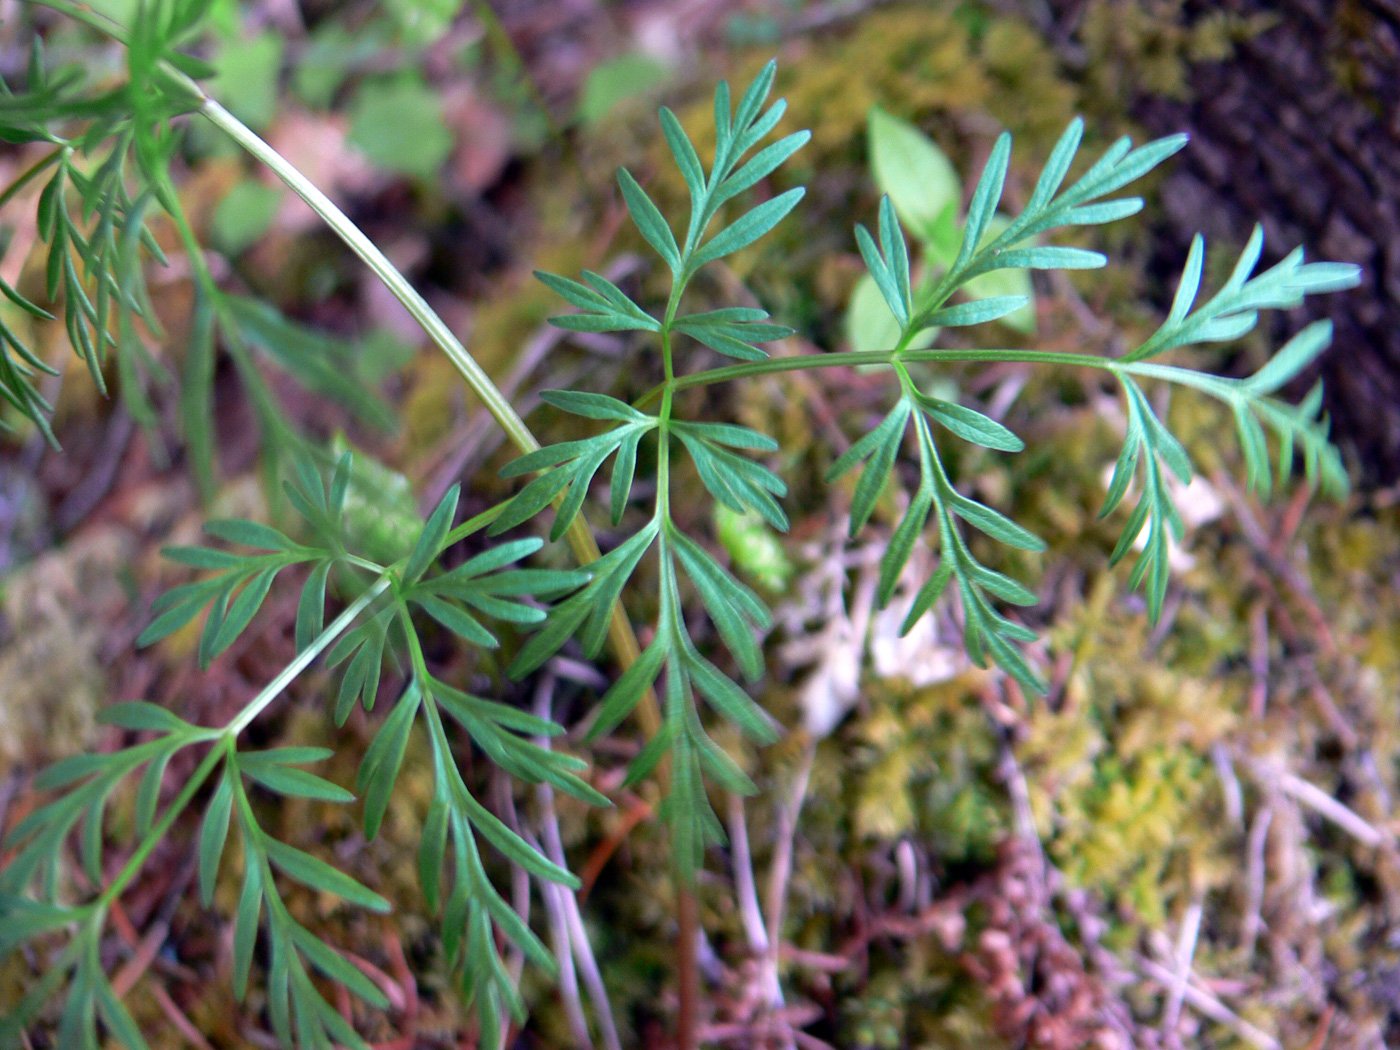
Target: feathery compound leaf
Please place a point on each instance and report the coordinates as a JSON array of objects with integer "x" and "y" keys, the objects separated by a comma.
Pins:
[{"x": 1234, "y": 310}]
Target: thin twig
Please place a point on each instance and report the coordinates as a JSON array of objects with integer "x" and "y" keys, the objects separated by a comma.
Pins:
[
  {"x": 1230, "y": 788},
  {"x": 575, "y": 933},
  {"x": 746, "y": 894},
  {"x": 1325, "y": 805},
  {"x": 1185, "y": 952},
  {"x": 1254, "y": 883},
  {"x": 1203, "y": 1002}
]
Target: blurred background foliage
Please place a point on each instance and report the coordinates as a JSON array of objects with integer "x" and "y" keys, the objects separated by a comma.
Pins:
[{"x": 1190, "y": 842}]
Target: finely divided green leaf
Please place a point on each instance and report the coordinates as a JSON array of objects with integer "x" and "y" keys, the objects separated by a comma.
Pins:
[
  {"x": 649, "y": 220},
  {"x": 213, "y": 833},
  {"x": 318, "y": 875},
  {"x": 747, "y": 228},
  {"x": 434, "y": 533},
  {"x": 971, "y": 425},
  {"x": 141, "y": 714}
]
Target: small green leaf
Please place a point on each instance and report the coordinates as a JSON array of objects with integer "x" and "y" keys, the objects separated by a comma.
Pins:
[
  {"x": 1057, "y": 167},
  {"x": 984, "y": 199},
  {"x": 73, "y": 768},
  {"x": 249, "y": 534},
  {"x": 760, "y": 166},
  {"x": 245, "y": 928},
  {"x": 213, "y": 833},
  {"x": 204, "y": 557},
  {"x": 915, "y": 173},
  {"x": 971, "y": 425},
  {"x": 1292, "y": 358},
  {"x": 336, "y": 966},
  {"x": 398, "y": 124},
  {"x": 295, "y": 783},
  {"x": 240, "y": 613},
  {"x": 380, "y": 768},
  {"x": 649, "y": 220},
  {"x": 747, "y": 228},
  {"x": 624, "y": 694},
  {"x": 881, "y": 445},
  {"x": 148, "y": 790},
  {"x": 979, "y": 311},
  {"x": 592, "y": 406},
  {"x": 434, "y": 533},
  {"x": 311, "y": 606},
  {"x": 901, "y": 545},
  {"x": 318, "y": 875},
  {"x": 883, "y": 276},
  {"x": 730, "y": 701},
  {"x": 141, "y": 714},
  {"x": 996, "y": 525},
  {"x": 732, "y": 606},
  {"x": 1046, "y": 257},
  {"x": 687, "y": 160},
  {"x": 431, "y": 848}
]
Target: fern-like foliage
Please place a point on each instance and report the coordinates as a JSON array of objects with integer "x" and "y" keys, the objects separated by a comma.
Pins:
[
  {"x": 104, "y": 182},
  {"x": 987, "y": 632},
  {"x": 1149, "y": 450},
  {"x": 395, "y": 584},
  {"x": 1149, "y": 447},
  {"x": 720, "y": 454},
  {"x": 390, "y": 606}
]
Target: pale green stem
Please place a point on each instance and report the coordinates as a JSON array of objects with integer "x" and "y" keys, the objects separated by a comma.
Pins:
[
  {"x": 142, "y": 853},
  {"x": 856, "y": 358},
  {"x": 579, "y": 536},
  {"x": 230, "y": 732},
  {"x": 437, "y": 330},
  {"x": 303, "y": 659}
]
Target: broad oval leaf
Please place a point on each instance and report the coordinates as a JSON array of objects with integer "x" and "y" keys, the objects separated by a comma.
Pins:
[{"x": 917, "y": 175}]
